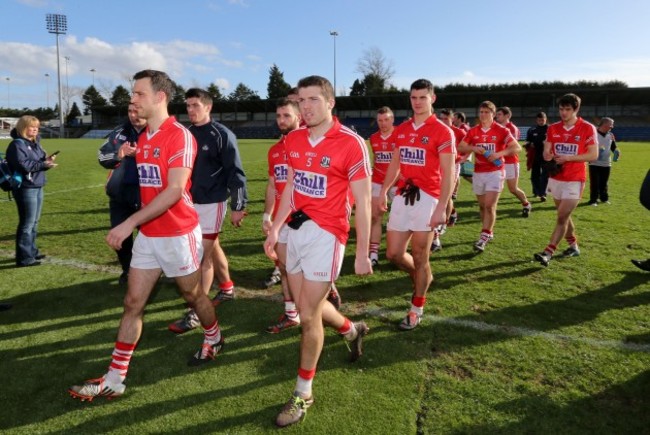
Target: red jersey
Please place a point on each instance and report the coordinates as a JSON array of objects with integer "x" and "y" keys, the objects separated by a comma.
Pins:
[
  {"x": 514, "y": 131},
  {"x": 571, "y": 141},
  {"x": 419, "y": 152},
  {"x": 459, "y": 134},
  {"x": 382, "y": 148},
  {"x": 494, "y": 139},
  {"x": 171, "y": 146},
  {"x": 277, "y": 158},
  {"x": 322, "y": 172}
]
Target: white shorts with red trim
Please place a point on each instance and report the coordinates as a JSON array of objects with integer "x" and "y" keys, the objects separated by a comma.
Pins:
[
  {"x": 176, "y": 256},
  {"x": 483, "y": 182},
  {"x": 283, "y": 235},
  {"x": 211, "y": 216},
  {"x": 565, "y": 189},
  {"x": 512, "y": 171},
  {"x": 314, "y": 252},
  {"x": 416, "y": 217}
]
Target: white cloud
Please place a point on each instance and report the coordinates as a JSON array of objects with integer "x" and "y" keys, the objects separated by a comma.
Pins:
[{"x": 222, "y": 83}]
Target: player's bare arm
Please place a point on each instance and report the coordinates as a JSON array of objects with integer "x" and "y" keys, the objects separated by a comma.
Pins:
[
  {"x": 362, "y": 192},
  {"x": 447, "y": 168},
  {"x": 269, "y": 203},
  {"x": 392, "y": 174},
  {"x": 283, "y": 213}
]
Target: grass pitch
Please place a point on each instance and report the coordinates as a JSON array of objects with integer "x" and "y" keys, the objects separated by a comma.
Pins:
[{"x": 505, "y": 347}]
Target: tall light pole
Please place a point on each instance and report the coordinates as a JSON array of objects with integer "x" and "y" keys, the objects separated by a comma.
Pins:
[
  {"x": 58, "y": 24},
  {"x": 93, "y": 70},
  {"x": 8, "y": 92},
  {"x": 334, "y": 34},
  {"x": 47, "y": 84}
]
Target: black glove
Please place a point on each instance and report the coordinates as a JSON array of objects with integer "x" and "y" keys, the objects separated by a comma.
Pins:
[
  {"x": 552, "y": 167},
  {"x": 410, "y": 192}
]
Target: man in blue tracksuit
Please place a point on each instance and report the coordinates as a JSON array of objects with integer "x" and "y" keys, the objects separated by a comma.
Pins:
[
  {"x": 217, "y": 175},
  {"x": 122, "y": 188}
]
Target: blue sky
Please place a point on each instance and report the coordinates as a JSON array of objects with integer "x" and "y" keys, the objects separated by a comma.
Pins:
[{"x": 230, "y": 41}]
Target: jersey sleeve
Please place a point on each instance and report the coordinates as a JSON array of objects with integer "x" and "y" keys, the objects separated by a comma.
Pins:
[{"x": 182, "y": 151}]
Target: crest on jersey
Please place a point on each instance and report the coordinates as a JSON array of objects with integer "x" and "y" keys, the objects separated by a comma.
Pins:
[
  {"x": 146, "y": 154},
  {"x": 425, "y": 140},
  {"x": 325, "y": 162},
  {"x": 156, "y": 153}
]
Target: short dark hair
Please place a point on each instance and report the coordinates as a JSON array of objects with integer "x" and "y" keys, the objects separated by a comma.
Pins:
[
  {"x": 461, "y": 116},
  {"x": 203, "y": 95},
  {"x": 505, "y": 110},
  {"x": 325, "y": 86},
  {"x": 385, "y": 109},
  {"x": 284, "y": 101},
  {"x": 571, "y": 100},
  {"x": 446, "y": 112},
  {"x": 541, "y": 115},
  {"x": 423, "y": 84},
  {"x": 160, "y": 81}
]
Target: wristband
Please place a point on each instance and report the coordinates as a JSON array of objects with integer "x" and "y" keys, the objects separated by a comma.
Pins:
[{"x": 266, "y": 217}]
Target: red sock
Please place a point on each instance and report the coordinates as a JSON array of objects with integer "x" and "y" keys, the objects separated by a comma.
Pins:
[
  {"x": 306, "y": 374},
  {"x": 418, "y": 301},
  {"x": 374, "y": 248},
  {"x": 550, "y": 249},
  {"x": 227, "y": 286},
  {"x": 212, "y": 333},
  {"x": 346, "y": 327},
  {"x": 572, "y": 240}
]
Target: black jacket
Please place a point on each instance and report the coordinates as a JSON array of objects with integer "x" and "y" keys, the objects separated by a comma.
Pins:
[
  {"x": 123, "y": 180},
  {"x": 28, "y": 158},
  {"x": 217, "y": 171}
]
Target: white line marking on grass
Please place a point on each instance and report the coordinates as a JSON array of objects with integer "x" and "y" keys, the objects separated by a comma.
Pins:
[
  {"x": 516, "y": 331},
  {"x": 275, "y": 296},
  {"x": 74, "y": 189}
]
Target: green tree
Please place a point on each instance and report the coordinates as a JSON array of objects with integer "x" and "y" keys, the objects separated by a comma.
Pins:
[
  {"x": 215, "y": 92},
  {"x": 277, "y": 87},
  {"x": 179, "y": 94},
  {"x": 121, "y": 96},
  {"x": 91, "y": 97},
  {"x": 243, "y": 93},
  {"x": 358, "y": 88},
  {"x": 74, "y": 113}
]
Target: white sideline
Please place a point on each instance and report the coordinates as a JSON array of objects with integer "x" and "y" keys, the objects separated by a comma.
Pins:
[{"x": 372, "y": 311}]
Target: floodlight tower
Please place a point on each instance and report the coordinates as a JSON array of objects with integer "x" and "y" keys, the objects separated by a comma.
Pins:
[
  {"x": 334, "y": 34},
  {"x": 58, "y": 24}
]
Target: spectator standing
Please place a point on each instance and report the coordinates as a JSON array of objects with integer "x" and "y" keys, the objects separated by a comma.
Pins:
[
  {"x": 26, "y": 156},
  {"x": 535, "y": 138},
  {"x": 600, "y": 168}
]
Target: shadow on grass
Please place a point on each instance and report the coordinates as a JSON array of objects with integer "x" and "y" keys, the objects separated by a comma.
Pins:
[
  {"x": 619, "y": 409},
  {"x": 73, "y": 339}
]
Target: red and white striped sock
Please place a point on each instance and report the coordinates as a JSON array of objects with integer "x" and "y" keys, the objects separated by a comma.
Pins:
[
  {"x": 227, "y": 287},
  {"x": 304, "y": 381},
  {"x": 290, "y": 310},
  {"x": 348, "y": 330},
  {"x": 212, "y": 333},
  {"x": 417, "y": 304},
  {"x": 572, "y": 240},
  {"x": 119, "y": 365},
  {"x": 550, "y": 249}
]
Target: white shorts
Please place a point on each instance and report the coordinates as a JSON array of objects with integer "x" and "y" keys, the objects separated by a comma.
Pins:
[
  {"x": 565, "y": 189},
  {"x": 211, "y": 216},
  {"x": 314, "y": 252},
  {"x": 415, "y": 217},
  {"x": 512, "y": 171},
  {"x": 283, "y": 235},
  {"x": 483, "y": 182},
  {"x": 176, "y": 256},
  {"x": 376, "y": 188}
]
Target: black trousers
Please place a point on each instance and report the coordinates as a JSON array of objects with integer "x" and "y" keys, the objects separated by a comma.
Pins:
[
  {"x": 598, "y": 178},
  {"x": 538, "y": 177},
  {"x": 119, "y": 211}
]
